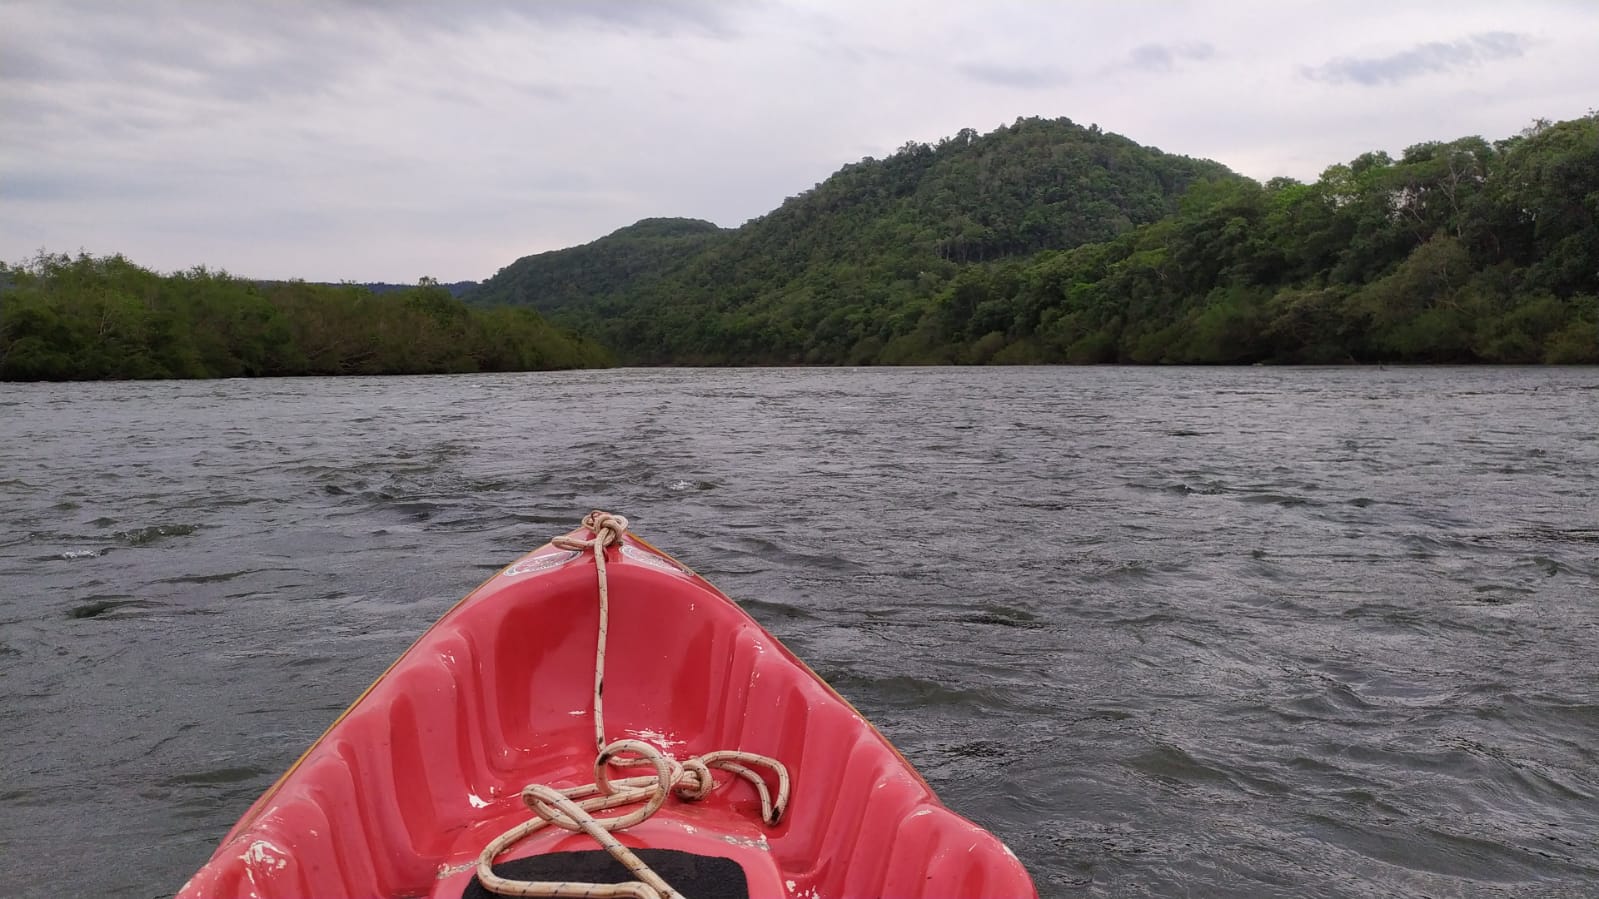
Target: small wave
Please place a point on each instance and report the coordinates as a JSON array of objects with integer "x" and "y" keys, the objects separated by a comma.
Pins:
[
  {"x": 910, "y": 692},
  {"x": 1130, "y": 570},
  {"x": 1545, "y": 566},
  {"x": 972, "y": 758},
  {"x": 1176, "y": 766},
  {"x": 562, "y": 519},
  {"x": 218, "y": 578},
  {"x": 109, "y": 607},
  {"x": 154, "y": 533},
  {"x": 416, "y": 511},
  {"x": 224, "y": 775},
  {"x": 1566, "y": 535},
  {"x": 681, "y": 486},
  {"x": 761, "y": 608},
  {"x": 1004, "y": 617},
  {"x": 1276, "y": 499},
  {"x": 1499, "y": 594},
  {"x": 82, "y": 553},
  {"x": 771, "y": 554}
]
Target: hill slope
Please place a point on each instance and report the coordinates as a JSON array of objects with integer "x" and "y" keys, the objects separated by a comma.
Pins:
[
  {"x": 1047, "y": 242},
  {"x": 623, "y": 261},
  {"x": 813, "y": 280}
]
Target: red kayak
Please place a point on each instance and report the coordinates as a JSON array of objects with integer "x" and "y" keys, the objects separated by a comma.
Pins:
[{"x": 598, "y": 720}]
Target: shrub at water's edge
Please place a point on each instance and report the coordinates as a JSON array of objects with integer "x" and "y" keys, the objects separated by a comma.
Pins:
[{"x": 90, "y": 318}]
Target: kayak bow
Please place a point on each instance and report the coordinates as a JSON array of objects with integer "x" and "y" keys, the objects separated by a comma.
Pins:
[{"x": 477, "y": 763}]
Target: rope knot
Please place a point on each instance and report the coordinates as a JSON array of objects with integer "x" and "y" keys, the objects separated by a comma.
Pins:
[{"x": 606, "y": 528}]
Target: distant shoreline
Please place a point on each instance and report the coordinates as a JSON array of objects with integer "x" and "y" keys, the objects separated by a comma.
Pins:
[{"x": 1347, "y": 366}]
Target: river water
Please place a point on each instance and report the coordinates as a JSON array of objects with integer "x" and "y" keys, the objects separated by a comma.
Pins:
[{"x": 1168, "y": 632}]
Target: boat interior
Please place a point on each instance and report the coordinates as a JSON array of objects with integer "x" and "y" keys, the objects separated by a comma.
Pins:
[{"x": 402, "y": 793}]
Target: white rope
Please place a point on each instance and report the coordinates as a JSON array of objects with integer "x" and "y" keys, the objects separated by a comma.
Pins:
[
  {"x": 607, "y": 529},
  {"x": 689, "y": 780}
]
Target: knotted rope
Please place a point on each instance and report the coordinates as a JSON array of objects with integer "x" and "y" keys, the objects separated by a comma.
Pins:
[{"x": 689, "y": 780}]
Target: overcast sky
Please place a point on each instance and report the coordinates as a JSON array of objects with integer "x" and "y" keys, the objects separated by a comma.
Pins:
[{"x": 391, "y": 139}]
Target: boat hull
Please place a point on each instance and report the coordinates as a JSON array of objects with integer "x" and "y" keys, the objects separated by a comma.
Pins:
[{"x": 404, "y": 790}]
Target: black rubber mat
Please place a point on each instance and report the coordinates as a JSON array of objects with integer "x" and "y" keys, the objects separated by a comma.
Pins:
[{"x": 699, "y": 876}]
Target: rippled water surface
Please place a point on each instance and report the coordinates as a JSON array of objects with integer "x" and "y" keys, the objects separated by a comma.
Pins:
[{"x": 1194, "y": 632}]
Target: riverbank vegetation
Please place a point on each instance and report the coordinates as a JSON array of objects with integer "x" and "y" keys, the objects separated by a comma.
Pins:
[
  {"x": 88, "y": 318},
  {"x": 1048, "y": 242}
]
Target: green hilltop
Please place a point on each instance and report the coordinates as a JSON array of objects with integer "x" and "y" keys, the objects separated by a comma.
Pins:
[
  {"x": 622, "y": 262},
  {"x": 833, "y": 274},
  {"x": 1046, "y": 241}
]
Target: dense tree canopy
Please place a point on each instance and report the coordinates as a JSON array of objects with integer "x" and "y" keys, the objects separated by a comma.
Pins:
[
  {"x": 816, "y": 279},
  {"x": 622, "y": 262},
  {"x": 1048, "y": 242},
  {"x": 87, "y": 318}
]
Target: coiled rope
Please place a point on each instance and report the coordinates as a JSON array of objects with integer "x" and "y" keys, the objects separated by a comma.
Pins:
[{"x": 571, "y": 808}]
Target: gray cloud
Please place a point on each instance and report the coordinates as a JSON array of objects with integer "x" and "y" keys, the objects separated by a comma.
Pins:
[
  {"x": 716, "y": 18},
  {"x": 385, "y": 139},
  {"x": 1422, "y": 59},
  {"x": 42, "y": 186},
  {"x": 238, "y": 54},
  {"x": 1165, "y": 57},
  {"x": 1025, "y": 77},
  {"x": 245, "y": 52}
]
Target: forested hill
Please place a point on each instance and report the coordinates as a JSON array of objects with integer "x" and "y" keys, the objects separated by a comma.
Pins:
[
  {"x": 870, "y": 245},
  {"x": 1047, "y": 242},
  {"x": 625, "y": 261}
]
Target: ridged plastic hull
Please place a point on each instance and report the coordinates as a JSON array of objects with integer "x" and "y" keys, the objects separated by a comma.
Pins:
[{"x": 400, "y": 795}]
